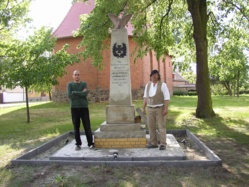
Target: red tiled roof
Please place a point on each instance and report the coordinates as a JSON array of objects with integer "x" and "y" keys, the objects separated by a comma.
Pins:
[{"x": 71, "y": 22}]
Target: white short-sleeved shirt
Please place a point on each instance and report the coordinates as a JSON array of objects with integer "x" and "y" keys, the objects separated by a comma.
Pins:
[{"x": 152, "y": 92}]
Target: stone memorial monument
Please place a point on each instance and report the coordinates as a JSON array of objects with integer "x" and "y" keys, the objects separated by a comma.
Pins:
[{"x": 119, "y": 129}]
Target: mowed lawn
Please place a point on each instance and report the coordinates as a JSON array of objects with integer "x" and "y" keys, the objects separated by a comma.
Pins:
[{"x": 227, "y": 135}]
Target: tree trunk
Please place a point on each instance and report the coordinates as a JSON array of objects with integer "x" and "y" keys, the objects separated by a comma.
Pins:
[
  {"x": 228, "y": 87},
  {"x": 50, "y": 96},
  {"x": 238, "y": 76},
  {"x": 27, "y": 104},
  {"x": 198, "y": 10},
  {"x": 234, "y": 87}
]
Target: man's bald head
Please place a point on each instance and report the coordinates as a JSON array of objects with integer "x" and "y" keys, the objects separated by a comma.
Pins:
[
  {"x": 76, "y": 72},
  {"x": 76, "y": 76}
]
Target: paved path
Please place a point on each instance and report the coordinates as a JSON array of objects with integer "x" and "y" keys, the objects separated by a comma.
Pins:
[{"x": 21, "y": 104}]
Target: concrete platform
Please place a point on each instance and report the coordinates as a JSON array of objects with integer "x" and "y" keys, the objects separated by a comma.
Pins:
[
  {"x": 172, "y": 152},
  {"x": 30, "y": 159}
]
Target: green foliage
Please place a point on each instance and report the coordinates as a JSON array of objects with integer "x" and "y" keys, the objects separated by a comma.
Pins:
[
  {"x": 31, "y": 62},
  {"x": 95, "y": 29},
  {"x": 229, "y": 62},
  {"x": 13, "y": 13},
  {"x": 189, "y": 75},
  {"x": 151, "y": 30},
  {"x": 218, "y": 89},
  {"x": 180, "y": 93},
  {"x": 163, "y": 26},
  {"x": 239, "y": 10},
  {"x": 192, "y": 93},
  {"x": 168, "y": 28}
]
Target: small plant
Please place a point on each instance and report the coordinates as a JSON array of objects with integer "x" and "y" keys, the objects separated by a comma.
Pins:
[{"x": 60, "y": 180}]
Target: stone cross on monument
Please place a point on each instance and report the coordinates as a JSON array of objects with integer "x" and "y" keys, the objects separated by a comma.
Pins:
[{"x": 119, "y": 130}]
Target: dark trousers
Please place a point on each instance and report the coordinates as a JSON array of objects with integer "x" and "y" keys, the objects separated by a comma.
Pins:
[{"x": 83, "y": 114}]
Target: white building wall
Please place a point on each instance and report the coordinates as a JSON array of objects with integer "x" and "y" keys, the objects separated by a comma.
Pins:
[{"x": 13, "y": 97}]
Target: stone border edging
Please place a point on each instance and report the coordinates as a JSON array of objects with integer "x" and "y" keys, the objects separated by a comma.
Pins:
[{"x": 214, "y": 160}]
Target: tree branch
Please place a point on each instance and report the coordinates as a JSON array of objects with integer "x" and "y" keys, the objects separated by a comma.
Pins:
[
  {"x": 191, "y": 28},
  {"x": 213, "y": 18},
  {"x": 11, "y": 8},
  {"x": 241, "y": 9},
  {"x": 6, "y": 6},
  {"x": 15, "y": 5},
  {"x": 165, "y": 15},
  {"x": 149, "y": 4}
]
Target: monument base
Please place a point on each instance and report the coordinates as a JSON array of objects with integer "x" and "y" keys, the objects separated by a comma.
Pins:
[
  {"x": 120, "y": 114},
  {"x": 120, "y": 142},
  {"x": 104, "y": 127},
  {"x": 120, "y": 136}
]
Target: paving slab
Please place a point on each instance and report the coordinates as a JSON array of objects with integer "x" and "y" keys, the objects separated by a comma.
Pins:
[{"x": 173, "y": 152}]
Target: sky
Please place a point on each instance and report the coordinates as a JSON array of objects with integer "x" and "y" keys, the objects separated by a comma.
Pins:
[{"x": 48, "y": 12}]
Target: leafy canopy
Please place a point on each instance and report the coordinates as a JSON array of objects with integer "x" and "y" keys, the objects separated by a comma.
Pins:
[
  {"x": 13, "y": 14},
  {"x": 164, "y": 26},
  {"x": 32, "y": 62}
]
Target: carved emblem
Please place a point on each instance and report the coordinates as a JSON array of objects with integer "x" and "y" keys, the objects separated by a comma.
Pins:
[{"x": 119, "y": 51}]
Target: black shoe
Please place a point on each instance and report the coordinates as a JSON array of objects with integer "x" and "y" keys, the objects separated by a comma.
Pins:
[
  {"x": 150, "y": 146},
  {"x": 162, "y": 147},
  {"x": 77, "y": 147}
]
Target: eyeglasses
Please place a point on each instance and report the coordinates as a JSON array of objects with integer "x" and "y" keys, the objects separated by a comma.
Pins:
[{"x": 76, "y": 74}]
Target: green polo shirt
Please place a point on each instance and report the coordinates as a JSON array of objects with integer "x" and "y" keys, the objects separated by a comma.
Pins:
[{"x": 78, "y": 98}]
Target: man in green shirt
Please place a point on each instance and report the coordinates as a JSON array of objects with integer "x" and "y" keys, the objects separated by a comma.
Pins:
[{"x": 77, "y": 94}]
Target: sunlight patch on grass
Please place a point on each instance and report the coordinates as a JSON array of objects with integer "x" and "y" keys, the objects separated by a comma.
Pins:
[
  {"x": 178, "y": 117},
  {"x": 237, "y": 112},
  {"x": 14, "y": 147},
  {"x": 8, "y": 109},
  {"x": 42, "y": 139},
  {"x": 7, "y": 153}
]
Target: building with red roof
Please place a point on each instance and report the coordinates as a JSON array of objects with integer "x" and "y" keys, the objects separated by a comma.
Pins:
[{"x": 99, "y": 80}]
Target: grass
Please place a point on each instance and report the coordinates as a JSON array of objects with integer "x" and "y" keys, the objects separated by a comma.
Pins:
[{"x": 227, "y": 134}]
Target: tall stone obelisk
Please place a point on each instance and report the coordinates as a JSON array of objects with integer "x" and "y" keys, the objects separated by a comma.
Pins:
[
  {"x": 120, "y": 109},
  {"x": 119, "y": 130}
]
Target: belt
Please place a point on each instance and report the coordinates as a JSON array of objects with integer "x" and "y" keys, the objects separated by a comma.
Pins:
[{"x": 155, "y": 107}]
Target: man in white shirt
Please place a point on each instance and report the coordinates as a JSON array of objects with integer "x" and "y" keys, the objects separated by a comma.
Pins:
[{"x": 156, "y": 97}]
